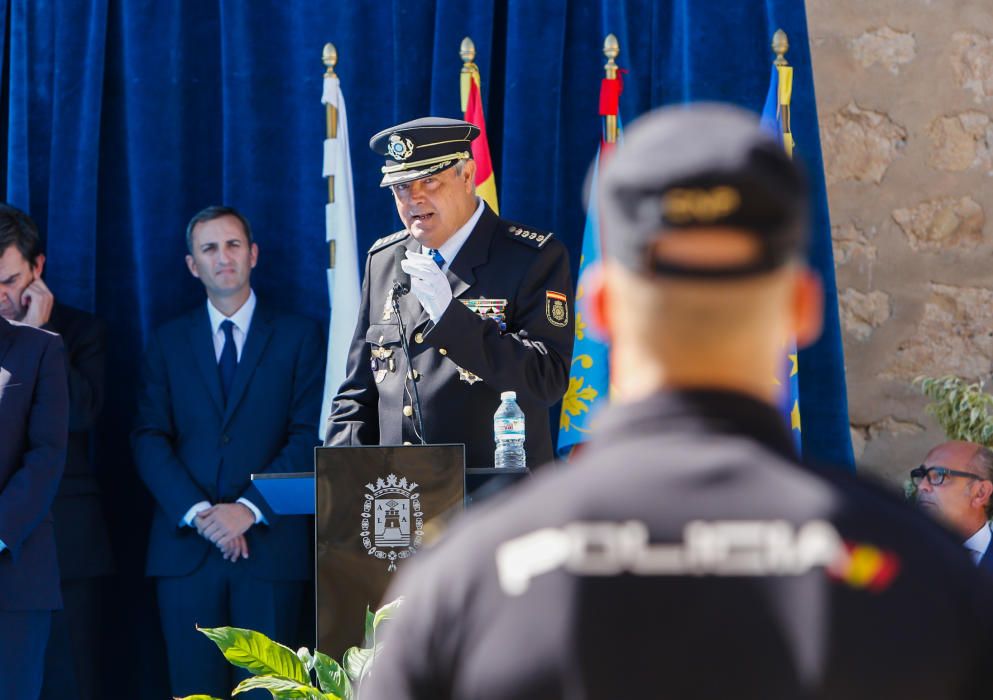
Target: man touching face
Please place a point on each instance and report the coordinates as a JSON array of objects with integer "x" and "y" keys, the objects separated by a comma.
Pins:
[{"x": 24, "y": 296}]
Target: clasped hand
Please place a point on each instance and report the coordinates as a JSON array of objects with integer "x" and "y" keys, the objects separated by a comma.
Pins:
[
  {"x": 225, "y": 525},
  {"x": 428, "y": 283}
]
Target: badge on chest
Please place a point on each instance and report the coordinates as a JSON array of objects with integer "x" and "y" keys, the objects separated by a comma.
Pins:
[{"x": 382, "y": 362}]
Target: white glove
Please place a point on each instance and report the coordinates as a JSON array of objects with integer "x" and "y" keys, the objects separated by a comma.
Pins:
[{"x": 428, "y": 283}]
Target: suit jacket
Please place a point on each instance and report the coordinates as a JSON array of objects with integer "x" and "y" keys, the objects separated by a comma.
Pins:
[
  {"x": 464, "y": 361},
  {"x": 34, "y": 411},
  {"x": 191, "y": 446},
  {"x": 81, "y": 536}
]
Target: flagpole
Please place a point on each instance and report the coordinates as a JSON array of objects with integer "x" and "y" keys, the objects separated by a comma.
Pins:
[
  {"x": 467, "y": 51},
  {"x": 780, "y": 45},
  {"x": 329, "y": 56},
  {"x": 611, "y": 49}
]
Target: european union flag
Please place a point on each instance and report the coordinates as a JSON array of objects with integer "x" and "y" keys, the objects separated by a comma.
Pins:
[
  {"x": 589, "y": 377},
  {"x": 776, "y": 118}
]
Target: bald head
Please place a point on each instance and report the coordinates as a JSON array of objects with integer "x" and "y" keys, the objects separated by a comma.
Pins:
[
  {"x": 704, "y": 284},
  {"x": 700, "y": 333},
  {"x": 963, "y": 500}
]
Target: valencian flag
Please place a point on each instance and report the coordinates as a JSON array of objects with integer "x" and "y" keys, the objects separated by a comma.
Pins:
[
  {"x": 472, "y": 108},
  {"x": 776, "y": 118},
  {"x": 339, "y": 227},
  {"x": 589, "y": 376}
]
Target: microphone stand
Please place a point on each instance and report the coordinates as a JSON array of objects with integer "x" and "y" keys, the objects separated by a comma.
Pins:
[{"x": 398, "y": 291}]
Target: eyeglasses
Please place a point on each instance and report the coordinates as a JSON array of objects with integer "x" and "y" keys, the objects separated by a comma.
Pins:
[{"x": 936, "y": 475}]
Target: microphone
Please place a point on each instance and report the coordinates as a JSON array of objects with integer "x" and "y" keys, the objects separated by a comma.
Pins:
[
  {"x": 401, "y": 286},
  {"x": 401, "y": 280}
]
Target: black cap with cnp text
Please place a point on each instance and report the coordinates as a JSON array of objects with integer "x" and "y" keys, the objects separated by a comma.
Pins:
[
  {"x": 422, "y": 147},
  {"x": 680, "y": 170}
]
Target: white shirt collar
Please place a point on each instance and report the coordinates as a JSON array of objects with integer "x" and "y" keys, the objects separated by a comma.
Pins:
[
  {"x": 450, "y": 248},
  {"x": 979, "y": 542},
  {"x": 242, "y": 318}
]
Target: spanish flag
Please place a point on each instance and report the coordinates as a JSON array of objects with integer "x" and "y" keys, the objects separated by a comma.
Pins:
[{"x": 472, "y": 105}]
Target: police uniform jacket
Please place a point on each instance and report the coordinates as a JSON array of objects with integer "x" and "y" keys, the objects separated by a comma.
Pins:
[
  {"x": 687, "y": 555},
  {"x": 462, "y": 363}
]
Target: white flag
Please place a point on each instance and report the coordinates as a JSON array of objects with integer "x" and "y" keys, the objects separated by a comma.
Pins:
[{"x": 343, "y": 280}]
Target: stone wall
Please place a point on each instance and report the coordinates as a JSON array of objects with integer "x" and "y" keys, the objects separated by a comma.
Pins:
[{"x": 905, "y": 99}]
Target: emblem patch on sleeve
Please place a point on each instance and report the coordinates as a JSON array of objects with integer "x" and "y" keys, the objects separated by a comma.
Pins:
[{"x": 556, "y": 309}]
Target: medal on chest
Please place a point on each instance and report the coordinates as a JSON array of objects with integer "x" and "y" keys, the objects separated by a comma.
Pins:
[{"x": 491, "y": 309}]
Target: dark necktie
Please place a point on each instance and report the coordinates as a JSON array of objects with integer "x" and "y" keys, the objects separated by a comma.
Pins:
[
  {"x": 436, "y": 256},
  {"x": 229, "y": 358}
]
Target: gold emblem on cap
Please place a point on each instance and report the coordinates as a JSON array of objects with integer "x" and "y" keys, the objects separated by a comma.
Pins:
[
  {"x": 399, "y": 147},
  {"x": 683, "y": 206}
]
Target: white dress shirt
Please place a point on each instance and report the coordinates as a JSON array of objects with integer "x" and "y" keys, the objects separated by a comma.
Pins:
[
  {"x": 979, "y": 542},
  {"x": 242, "y": 320},
  {"x": 450, "y": 248}
]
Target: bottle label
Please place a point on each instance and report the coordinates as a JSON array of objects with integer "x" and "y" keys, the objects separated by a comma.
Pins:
[{"x": 508, "y": 428}]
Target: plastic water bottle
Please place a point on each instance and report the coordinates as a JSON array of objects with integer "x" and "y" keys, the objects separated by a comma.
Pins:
[{"x": 508, "y": 432}]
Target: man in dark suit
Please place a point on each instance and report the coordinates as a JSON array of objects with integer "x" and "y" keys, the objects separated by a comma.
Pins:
[
  {"x": 230, "y": 389},
  {"x": 81, "y": 538},
  {"x": 489, "y": 310},
  {"x": 33, "y": 428},
  {"x": 955, "y": 484}
]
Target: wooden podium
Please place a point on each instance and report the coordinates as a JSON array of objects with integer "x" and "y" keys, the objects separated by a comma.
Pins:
[{"x": 374, "y": 506}]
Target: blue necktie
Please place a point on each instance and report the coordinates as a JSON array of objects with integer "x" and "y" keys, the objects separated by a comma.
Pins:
[
  {"x": 436, "y": 256},
  {"x": 229, "y": 358}
]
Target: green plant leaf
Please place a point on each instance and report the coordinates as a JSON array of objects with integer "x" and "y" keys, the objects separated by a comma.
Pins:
[
  {"x": 331, "y": 676},
  {"x": 386, "y": 612},
  {"x": 256, "y": 653},
  {"x": 961, "y": 408},
  {"x": 306, "y": 658},
  {"x": 197, "y": 697},
  {"x": 370, "y": 628},
  {"x": 282, "y": 688},
  {"x": 358, "y": 661}
]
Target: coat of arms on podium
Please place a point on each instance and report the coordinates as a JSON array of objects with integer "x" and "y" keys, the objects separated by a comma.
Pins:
[{"x": 392, "y": 521}]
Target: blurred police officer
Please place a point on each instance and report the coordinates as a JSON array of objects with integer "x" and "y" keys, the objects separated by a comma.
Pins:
[
  {"x": 489, "y": 309},
  {"x": 955, "y": 484},
  {"x": 687, "y": 554}
]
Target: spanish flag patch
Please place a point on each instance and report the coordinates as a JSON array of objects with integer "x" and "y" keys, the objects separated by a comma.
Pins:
[{"x": 556, "y": 309}]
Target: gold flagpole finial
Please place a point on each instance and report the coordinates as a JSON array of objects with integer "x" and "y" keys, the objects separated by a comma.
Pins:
[
  {"x": 611, "y": 49},
  {"x": 467, "y": 51},
  {"x": 780, "y": 45},
  {"x": 329, "y": 56}
]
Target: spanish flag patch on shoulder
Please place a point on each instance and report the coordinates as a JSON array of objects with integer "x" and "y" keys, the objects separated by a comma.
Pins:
[{"x": 556, "y": 309}]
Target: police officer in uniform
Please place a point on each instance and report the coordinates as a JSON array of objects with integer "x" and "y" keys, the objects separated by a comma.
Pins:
[
  {"x": 687, "y": 554},
  {"x": 489, "y": 309}
]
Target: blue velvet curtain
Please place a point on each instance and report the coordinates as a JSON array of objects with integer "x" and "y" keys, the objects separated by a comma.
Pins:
[{"x": 121, "y": 118}]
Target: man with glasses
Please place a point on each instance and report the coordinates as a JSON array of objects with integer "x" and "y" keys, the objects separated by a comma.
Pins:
[{"x": 955, "y": 483}]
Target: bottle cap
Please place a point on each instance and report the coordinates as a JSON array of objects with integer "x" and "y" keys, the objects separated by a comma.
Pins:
[{"x": 504, "y": 395}]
